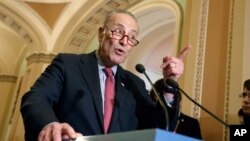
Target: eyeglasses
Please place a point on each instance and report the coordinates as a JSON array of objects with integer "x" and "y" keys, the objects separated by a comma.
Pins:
[
  {"x": 244, "y": 94},
  {"x": 116, "y": 34}
]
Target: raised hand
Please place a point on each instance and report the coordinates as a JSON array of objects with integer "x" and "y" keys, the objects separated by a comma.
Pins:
[{"x": 173, "y": 67}]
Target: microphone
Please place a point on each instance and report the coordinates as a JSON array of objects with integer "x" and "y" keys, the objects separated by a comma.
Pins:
[
  {"x": 141, "y": 69},
  {"x": 174, "y": 84}
]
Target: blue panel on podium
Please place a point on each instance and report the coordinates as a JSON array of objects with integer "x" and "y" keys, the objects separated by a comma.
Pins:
[{"x": 139, "y": 135}]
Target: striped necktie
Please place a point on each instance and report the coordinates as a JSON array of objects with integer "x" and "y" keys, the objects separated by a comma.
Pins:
[{"x": 109, "y": 95}]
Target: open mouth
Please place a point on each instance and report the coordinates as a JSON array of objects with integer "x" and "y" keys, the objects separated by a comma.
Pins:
[{"x": 119, "y": 51}]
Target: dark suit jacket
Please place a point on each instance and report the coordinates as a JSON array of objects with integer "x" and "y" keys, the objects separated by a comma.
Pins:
[
  {"x": 189, "y": 126},
  {"x": 182, "y": 123},
  {"x": 69, "y": 91}
]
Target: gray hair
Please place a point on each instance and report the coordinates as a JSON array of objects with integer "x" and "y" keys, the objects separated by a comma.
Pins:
[{"x": 117, "y": 11}]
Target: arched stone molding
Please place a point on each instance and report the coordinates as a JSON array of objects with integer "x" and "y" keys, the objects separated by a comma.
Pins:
[
  {"x": 80, "y": 21},
  {"x": 7, "y": 19},
  {"x": 26, "y": 23},
  {"x": 40, "y": 58},
  {"x": 11, "y": 51},
  {"x": 36, "y": 64},
  {"x": 49, "y": 1},
  {"x": 171, "y": 10},
  {"x": 4, "y": 68},
  {"x": 8, "y": 78},
  {"x": 30, "y": 32},
  {"x": 158, "y": 37}
]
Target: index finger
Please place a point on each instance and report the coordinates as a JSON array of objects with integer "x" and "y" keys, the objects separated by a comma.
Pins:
[
  {"x": 65, "y": 131},
  {"x": 184, "y": 52},
  {"x": 69, "y": 131}
]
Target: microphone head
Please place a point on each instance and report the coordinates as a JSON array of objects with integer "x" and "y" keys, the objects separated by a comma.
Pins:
[
  {"x": 172, "y": 83},
  {"x": 140, "y": 68}
]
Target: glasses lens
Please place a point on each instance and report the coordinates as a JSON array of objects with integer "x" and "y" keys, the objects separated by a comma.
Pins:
[
  {"x": 119, "y": 36},
  {"x": 134, "y": 42},
  {"x": 116, "y": 35},
  {"x": 244, "y": 94},
  {"x": 131, "y": 42}
]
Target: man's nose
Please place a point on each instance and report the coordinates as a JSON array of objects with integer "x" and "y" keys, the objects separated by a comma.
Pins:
[
  {"x": 124, "y": 40},
  {"x": 246, "y": 100}
]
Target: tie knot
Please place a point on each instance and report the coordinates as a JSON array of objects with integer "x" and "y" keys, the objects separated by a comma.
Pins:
[{"x": 108, "y": 72}]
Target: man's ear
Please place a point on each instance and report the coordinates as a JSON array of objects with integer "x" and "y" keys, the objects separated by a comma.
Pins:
[{"x": 100, "y": 33}]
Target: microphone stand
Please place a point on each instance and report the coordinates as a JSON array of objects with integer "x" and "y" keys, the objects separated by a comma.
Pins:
[
  {"x": 176, "y": 106},
  {"x": 160, "y": 101},
  {"x": 174, "y": 84}
]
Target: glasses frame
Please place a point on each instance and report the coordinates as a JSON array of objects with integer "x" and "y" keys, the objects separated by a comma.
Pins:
[
  {"x": 244, "y": 94},
  {"x": 119, "y": 36}
]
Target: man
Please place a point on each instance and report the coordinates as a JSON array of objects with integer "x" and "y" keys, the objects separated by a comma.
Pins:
[
  {"x": 179, "y": 122},
  {"x": 245, "y": 110},
  {"x": 69, "y": 99}
]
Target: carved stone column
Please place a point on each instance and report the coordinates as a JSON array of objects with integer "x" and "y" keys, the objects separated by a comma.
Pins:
[
  {"x": 36, "y": 63},
  {"x": 7, "y": 86}
]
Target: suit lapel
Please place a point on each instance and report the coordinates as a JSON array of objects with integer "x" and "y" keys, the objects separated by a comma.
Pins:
[{"x": 89, "y": 69}]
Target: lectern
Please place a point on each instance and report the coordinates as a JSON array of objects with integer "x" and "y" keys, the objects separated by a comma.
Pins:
[{"x": 139, "y": 135}]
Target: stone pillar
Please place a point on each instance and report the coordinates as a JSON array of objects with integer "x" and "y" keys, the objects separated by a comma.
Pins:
[
  {"x": 36, "y": 63},
  {"x": 7, "y": 86}
]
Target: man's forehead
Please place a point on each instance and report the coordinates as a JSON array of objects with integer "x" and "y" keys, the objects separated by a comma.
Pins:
[
  {"x": 123, "y": 15},
  {"x": 121, "y": 26},
  {"x": 122, "y": 20}
]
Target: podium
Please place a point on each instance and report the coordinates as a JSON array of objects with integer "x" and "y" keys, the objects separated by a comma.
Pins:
[{"x": 139, "y": 135}]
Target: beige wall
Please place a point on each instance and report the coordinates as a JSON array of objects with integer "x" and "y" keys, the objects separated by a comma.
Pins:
[{"x": 215, "y": 67}]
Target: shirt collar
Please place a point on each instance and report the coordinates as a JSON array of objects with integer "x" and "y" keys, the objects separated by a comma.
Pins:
[{"x": 101, "y": 65}]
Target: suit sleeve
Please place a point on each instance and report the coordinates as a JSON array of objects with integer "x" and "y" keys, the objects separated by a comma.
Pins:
[{"x": 37, "y": 104}]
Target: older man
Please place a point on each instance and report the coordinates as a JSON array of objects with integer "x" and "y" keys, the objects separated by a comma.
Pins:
[{"x": 92, "y": 94}]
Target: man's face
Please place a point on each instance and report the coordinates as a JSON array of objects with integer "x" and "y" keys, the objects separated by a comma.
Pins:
[
  {"x": 113, "y": 51},
  {"x": 246, "y": 102}
]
